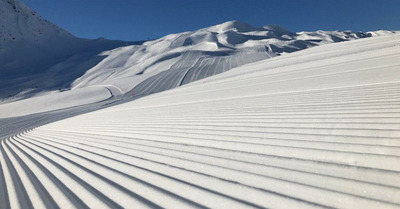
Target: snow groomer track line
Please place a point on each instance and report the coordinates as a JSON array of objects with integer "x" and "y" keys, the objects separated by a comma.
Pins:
[{"x": 319, "y": 128}]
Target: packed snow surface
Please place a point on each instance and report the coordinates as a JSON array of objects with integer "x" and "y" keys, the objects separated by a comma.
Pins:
[
  {"x": 55, "y": 101},
  {"x": 318, "y": 128}
]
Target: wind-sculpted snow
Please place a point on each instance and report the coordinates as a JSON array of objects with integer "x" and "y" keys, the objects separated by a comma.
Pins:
[{"x": 318, "y": 128}]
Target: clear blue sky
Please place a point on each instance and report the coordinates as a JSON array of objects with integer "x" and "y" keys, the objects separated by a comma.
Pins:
[{"x": 139, "y": 20}]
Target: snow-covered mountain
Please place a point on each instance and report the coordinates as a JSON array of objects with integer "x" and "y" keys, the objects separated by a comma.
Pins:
[
  {"x": 37, "y": 56},
  {"x": 18, "y": 22},
  {"x": 178, "y": 59}
]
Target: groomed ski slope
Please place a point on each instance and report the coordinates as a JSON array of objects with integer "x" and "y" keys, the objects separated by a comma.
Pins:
[{"x": 312, "y": 129}]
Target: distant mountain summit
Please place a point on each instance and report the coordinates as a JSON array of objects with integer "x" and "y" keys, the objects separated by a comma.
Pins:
[
  {"x": 18, "y": 22},
  {"x": 233, "y": 25}
]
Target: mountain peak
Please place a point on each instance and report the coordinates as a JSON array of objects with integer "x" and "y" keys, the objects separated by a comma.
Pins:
[
  {"x": 18, "y": 22},
  {"x": 233, "y": 25},
  {"x": 241, "y": 27},
  {"x": 277, "y": 28}
]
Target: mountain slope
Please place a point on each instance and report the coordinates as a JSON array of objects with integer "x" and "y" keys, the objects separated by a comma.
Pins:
[
  {"x": 178, "y": 59},
  {"x": 37, "y": 56},
  {"x": 18, "y": 22},
  {"x": 317, "y": 128}
]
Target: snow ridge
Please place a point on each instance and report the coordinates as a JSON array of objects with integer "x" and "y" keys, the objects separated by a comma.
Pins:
[{"x": 179, "y": 59}]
